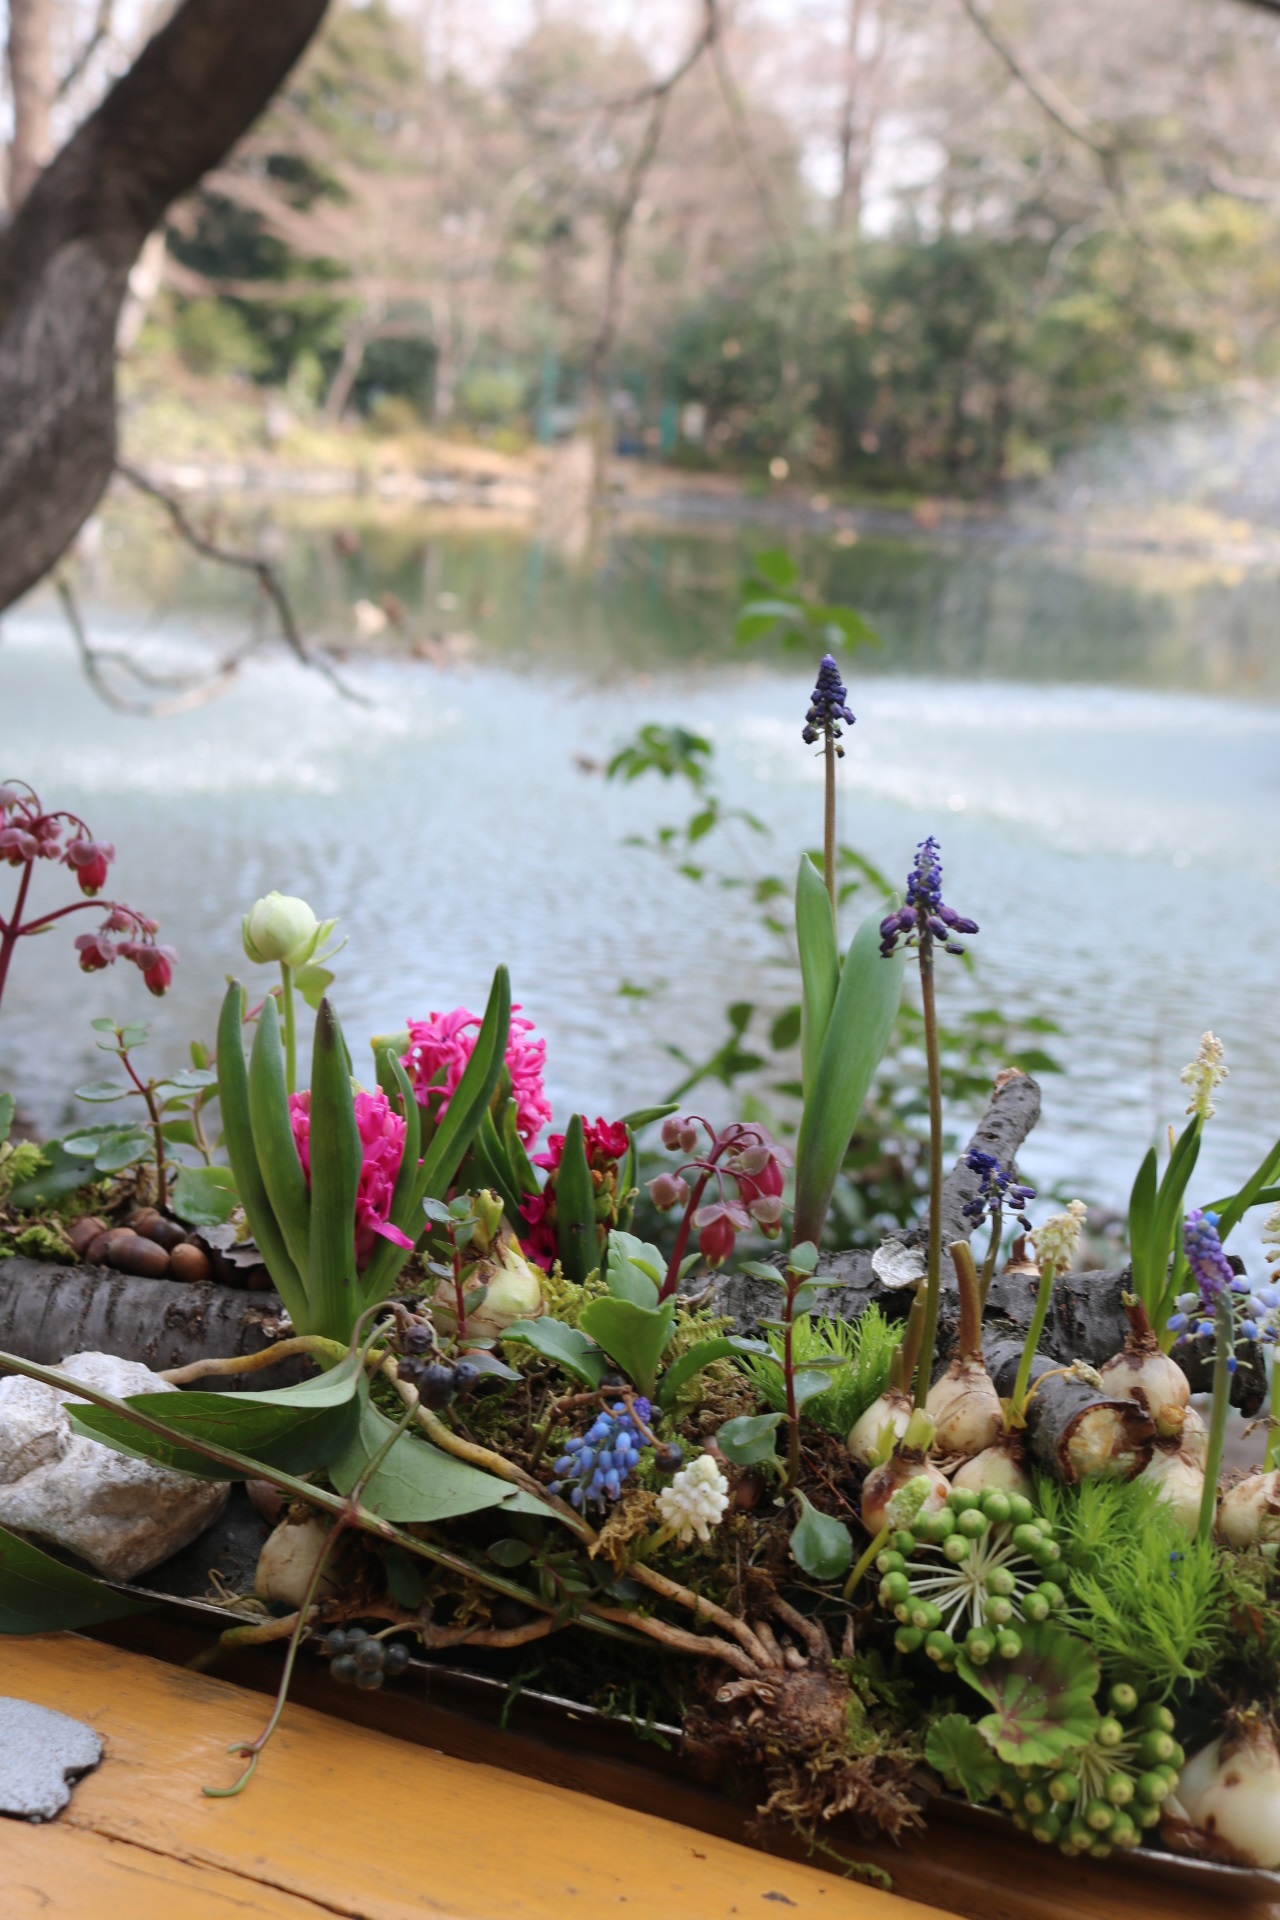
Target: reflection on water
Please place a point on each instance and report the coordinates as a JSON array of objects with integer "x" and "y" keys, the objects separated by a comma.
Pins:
[{"x": 1116, "y": 842}]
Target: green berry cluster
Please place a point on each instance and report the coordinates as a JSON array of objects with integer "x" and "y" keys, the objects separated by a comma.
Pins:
[
  {"x": 358, "y": 1660},
  {"x": 964, "y": 1578},
  {"x": 1104, "y": 1795}
]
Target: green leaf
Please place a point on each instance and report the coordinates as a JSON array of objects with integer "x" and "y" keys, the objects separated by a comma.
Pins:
[
  {"x": 205, "y": 1196},
  {"x": 405, "y": 1581},
  {"x": 694, "y": 1359},
  {"x": 313, "y": 983},
  {"x": 1232, "y": 1211},
  {"x": 417, "y": 1483},
  {"x": 634, "y": 1337},
  {"x": 576, "y": 1206},
  {"x": 775, "y": 565},
  {"x": 62, "y": 1173},
  {"x": 852, "y": 628},
  {"x": 472, "y": 1094},
  {"x": 645, "y": 1116},
  {"x": 111, "y": 1149},
  {"x": 187, "y": 1080},
  {"x": 336, "y": 1153},
  {"x": 275, "y": 1153},
  {"x": 858, "y": 1032},
  {"x": 812, "y": 1380},
  {"x": 750, "y": 1438},
  {"x": 38, "y": 1594},
  {"x": 1142, "y": 1211},
  {"x": 955, "y": 1749},
  {"x": 103, "y": 1090},
  {"x": 510, "y": 1553},
  {"x": 296, "y": 1429},
  {"x": 570, "y": 1350},
  {"x": 180, "y": 1133},
  {"x": 635, "y": 1269},
  {"x": 407, "y": 1208},
  {"x": 1043, "y": 1700},
  {"x": 6, "y": 1116},
  {"x": 820, "y": 1546},
  {"x": 233, "y": 1095}
]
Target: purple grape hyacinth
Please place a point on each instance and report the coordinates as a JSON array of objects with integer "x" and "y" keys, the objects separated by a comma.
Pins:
[
  {"x": 926, "y": 915},
  {"x": 593, "y": 1468},
  {"x": 828, "y": 706},
  {"x": 1214, "y": 1277},
  {"x": 998, "y": 1190}
]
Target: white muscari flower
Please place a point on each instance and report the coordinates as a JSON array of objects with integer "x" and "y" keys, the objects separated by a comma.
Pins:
[
  {"x": 1057, "y": 1240},
  {"x": 1203, "y": 1074},
  {"x": 1271, "y": 1236},
  {"x": 696, "y": 1500}
]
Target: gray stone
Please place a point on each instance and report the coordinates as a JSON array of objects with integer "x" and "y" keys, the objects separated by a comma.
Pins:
[
  {"x": 42, "y": 1755},
  {"x": 123, "y": 1516}
]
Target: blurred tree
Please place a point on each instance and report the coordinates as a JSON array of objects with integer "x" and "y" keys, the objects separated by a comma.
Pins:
[{"x": 66, "y": 256}]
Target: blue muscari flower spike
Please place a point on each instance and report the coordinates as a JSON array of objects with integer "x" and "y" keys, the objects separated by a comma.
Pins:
[
  {"x": 592, "y": 1469},
  {"x": 1215, "y": 1277},
  {"x": 828, "y": 707},
  {"x": 998, "y": 1190},
  {"x": 926, "y": 914}
]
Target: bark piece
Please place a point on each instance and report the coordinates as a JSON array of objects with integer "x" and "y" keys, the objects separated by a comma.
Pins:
[
  {"x": 1074, "y": 1430},
  {"x": 47, "y": 1310}
]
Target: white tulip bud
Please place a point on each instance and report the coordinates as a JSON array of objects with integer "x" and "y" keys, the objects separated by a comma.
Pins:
[{"x": 280, "y": 927}]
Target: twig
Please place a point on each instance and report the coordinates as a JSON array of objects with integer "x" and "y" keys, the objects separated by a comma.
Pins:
[
  {"x": 744, "y": 140},
  {"x": 92, "y": 659},
  {"x": 100, "y": 32},
  {"x": 268, "y": 579},
  {"x": 1048, "y": 97}
]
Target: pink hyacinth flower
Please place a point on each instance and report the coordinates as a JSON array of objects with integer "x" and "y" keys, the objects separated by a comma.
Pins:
[
  {"x": 441, "y": 1046},
  {"x": 381, "y": 1150}
]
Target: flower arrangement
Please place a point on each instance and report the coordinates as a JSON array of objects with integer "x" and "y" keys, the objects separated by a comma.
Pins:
[{"x": 1047, "y": 1595}]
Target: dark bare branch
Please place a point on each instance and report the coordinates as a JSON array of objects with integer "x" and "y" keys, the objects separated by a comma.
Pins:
[
  {"x": 98, "y": 36},
  {"x": 1047, "y": 96}
]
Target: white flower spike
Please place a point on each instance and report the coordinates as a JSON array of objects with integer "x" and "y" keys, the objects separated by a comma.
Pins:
[
  {"x": 1203, "y": 1074},
  {"x": 696, "y": 1501}
]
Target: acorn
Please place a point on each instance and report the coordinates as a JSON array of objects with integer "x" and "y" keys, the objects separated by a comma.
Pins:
[
  {"x": 189, "y": 1263},
  {"x": 129, "y": 1252},
  {"x": 83, "y": 1232}
]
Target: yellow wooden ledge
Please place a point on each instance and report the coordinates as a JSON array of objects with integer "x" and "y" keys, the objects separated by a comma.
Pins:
[{"x": 343, "y": 1821}]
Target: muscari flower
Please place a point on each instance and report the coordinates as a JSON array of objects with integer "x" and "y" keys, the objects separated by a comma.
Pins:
[
  {"x": 440, "y": 1047},
  {"x": 594, "y": 1467},
  {"x": 381, "y": 1133},
  {"x": 1215, "y": 1280},
  {"x": 1203, "y": 1074},
  {"x": 828, "y": 706},
  {"x": 1059, "y": 1237},
  {"x": 998, "y": 1189},
  {"x": 926, "y": 915},
  {"x": 696, "y": 1501}
]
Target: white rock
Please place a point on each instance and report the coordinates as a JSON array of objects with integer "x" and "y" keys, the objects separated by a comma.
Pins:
[
  {"x": 123, "y": 1516},
  {"x": 288, "y": 1561}
]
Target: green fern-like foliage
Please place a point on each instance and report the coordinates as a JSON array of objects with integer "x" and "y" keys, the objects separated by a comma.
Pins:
[
  {"x": 867, "y": 1345},
  {"x": 1153, "y": 1604}
]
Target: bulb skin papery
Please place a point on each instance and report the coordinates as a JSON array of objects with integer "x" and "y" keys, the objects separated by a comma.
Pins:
[
  {"x": 890, "y": 1412},
  {"x": 1141, "y": 1372},
  {"x": 966, "y": 1409},
  {"x": 1226, "y": 1805},
  {"x": 880, "y": 1485},
  {"x": 998, "y": 1468},
  {"x": 1249, "y": 1513},
  {"x": 1179, "y": 1479}
]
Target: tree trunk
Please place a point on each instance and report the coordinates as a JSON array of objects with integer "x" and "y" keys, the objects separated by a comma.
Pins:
[
  {"x": 65, "y": 261},
  {"x": 31, "y": 91}
]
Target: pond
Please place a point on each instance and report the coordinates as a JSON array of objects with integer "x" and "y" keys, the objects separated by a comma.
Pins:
[{"x": 1096, "y": 744}]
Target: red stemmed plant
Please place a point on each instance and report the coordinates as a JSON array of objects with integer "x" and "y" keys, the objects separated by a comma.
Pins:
[
  {"x": 748, "y": 1168},
  {"x": 28, "y": 834}
]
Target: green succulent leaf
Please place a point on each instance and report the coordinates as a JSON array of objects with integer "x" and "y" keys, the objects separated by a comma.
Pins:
[
  {"x": 820, "y": 1546},
  {"x": 1043, "y": 1701},
  {"x": 634, "y": 1337},
  {"x": 635, "y": 1269},
  {"x": 955, "y": 1749},
  {"x": 205, "y": 1196},
  {"x": 570, "y": 1350},
  {"x": 750, "y": 1438}
]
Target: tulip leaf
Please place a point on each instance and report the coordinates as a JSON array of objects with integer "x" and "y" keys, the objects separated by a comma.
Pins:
[
  {"x": 1043, "y": 1700},
  {"x": 566, "y": 1346},
  {"x": 858, "y": 1032},
  {"x": 820, "y": 1546},
  {"x": 634, "y": 1337},
  {"x": 336, "y": 1154},
  {"x": 750, "y": 1438},
  {"x": 274, "y": 1149},
  {"x": 417, "y": 1483},
  {"x": 457, "y": 1126},
  {"x": 38, "y": 1594},
  {"x": 295, "y": 1429},
  {"x": 233, "y": 1096},
  {"x": 379, "y": 1276}
]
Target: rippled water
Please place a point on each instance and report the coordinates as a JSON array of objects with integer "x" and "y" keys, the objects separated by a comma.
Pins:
[{"x": 1116, "y": 842}]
